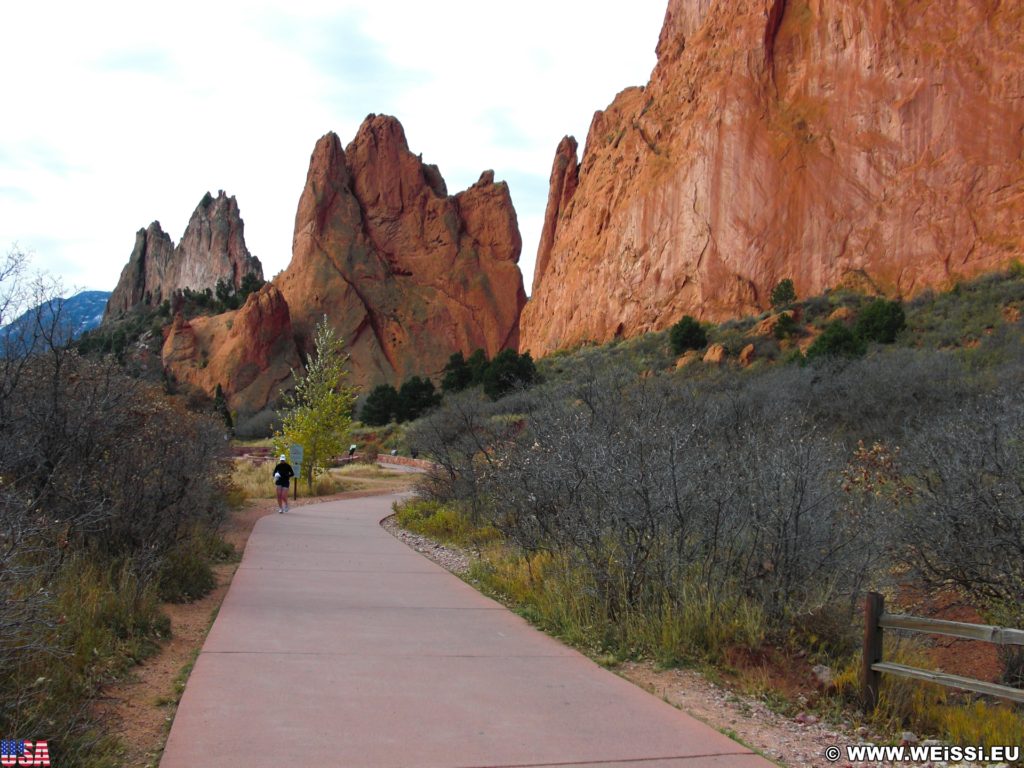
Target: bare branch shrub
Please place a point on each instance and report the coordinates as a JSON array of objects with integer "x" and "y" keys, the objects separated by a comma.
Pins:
[{"x": 104, "y": 484}]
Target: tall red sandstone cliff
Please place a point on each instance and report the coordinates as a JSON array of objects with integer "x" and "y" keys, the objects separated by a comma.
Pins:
[
  {"x": 212, "y": 249},
  {"x": 877, "y": 143},
  {"x": 404, "y": 272}
]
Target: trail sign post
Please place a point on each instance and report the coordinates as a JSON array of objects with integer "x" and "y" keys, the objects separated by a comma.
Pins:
[{"x": 295, "y": 452}]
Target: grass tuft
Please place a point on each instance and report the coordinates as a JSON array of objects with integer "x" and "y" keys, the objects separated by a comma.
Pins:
[
  {"x": 551, "y": 592},
  {"x": 445, "y": 523}
]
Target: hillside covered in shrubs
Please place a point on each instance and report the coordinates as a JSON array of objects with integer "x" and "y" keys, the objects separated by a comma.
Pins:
[
  {"x": 749, "y": 493},
  {"x": 110, "y": 499}
]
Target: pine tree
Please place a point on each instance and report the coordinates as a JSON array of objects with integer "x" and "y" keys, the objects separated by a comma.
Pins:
[
  {"x": 687, "y": 334},
  {"x": 507, "y": 371},
  {"x": 457, "y": 374},
  {"x": 783, "y": 294},
  {"x": 416, "y": 397},
  {"x": 380, "y": 406}
]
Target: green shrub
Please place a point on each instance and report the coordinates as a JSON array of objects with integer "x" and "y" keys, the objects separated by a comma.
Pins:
[
  {"x": 814, "y": 307},
  {"x": 794, "y": 356},
  {"x": 786, "y": 327},
  {"x": 185, "y": 574},
  {"x": 765, "y": 349},
  {"x": 733, "y": 340},
  {"x": 508, "y": 371},
  {"x": 477, "y": 363},
  {"x": 880, "y": 321},
  {"x": 783, "y": 294},
  {"x": 687, "y": 334},
  {"x": 836, "y": 341}
]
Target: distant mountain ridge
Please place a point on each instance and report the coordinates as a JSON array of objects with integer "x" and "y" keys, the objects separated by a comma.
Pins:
[{"x": 75, "y": 315}]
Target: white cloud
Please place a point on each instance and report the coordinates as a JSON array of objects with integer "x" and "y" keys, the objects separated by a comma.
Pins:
[{"x": 122, "y": 113}]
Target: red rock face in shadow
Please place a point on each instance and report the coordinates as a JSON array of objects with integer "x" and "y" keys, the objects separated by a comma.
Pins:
[
  {"x": 870, "y": 142},
  {"x": 249, "y": 352},
  {"x": 405, "y": 273},
  {"x": 212, "y": 249}
]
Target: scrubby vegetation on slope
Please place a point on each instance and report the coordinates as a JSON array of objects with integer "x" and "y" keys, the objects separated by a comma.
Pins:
[
  {"x": 681, "y": 513},
  {"x": 110, "y": 498}
]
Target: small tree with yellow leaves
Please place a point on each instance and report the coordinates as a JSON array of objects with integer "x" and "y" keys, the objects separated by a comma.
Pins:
[{"x": 318, "y": 412}]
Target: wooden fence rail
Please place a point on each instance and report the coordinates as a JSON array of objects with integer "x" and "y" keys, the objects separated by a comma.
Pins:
[{"x": 876, "y": 620}]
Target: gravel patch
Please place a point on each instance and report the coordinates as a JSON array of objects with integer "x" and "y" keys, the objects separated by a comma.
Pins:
[{"x": 448, "y": 557}]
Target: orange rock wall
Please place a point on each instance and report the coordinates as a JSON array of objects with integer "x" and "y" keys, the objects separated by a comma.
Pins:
[
  {"x": 249, "y": 352},
  {"x": 877, "y": 143}
]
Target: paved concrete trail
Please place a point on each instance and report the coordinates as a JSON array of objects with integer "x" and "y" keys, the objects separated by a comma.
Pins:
[{"x": 337, "y": 645}]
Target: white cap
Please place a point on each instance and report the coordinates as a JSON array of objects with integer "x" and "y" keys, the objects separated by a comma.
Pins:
[{"x": 282, "y": 458}]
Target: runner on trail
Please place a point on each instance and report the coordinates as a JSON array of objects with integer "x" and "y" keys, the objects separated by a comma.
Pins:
[{"x": 283, "y": 475}]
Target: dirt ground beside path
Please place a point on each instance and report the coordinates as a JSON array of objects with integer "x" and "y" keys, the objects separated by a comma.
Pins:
[{"x": 139, "y": 708}]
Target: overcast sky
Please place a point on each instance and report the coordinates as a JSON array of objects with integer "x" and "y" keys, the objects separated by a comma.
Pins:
[{"x": 121, "y": 114}]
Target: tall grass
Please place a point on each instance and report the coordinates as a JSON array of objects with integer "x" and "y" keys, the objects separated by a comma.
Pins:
[
  {"x": 101, "y": 619},
  {"x": 96, "y": 619},
  {"x": 689, "y": 626},
  {"x": 984, "y": 724},
  {"x": 926, "y": 708},
  {"x": 185, "y": 573},
  {"x": 254, "y": 480},
  {"x": 443, "y": 523}
]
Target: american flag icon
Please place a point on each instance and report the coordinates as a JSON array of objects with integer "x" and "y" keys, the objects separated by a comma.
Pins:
[{"x": 12, "y": 748}]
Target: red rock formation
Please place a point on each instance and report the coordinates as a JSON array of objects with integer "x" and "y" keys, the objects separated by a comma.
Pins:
[
  {"x": 870, "y": 142},
  {"x": 249, "y": 352},
  {"x": 565, "y": 177},
  {"x": 405, "y": 273},
  {"x": 212, "y": 249},
  {"x": 144, "y": 272}
]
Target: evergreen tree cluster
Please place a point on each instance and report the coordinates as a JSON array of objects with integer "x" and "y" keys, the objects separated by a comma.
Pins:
[
  {"x": 507, "y": 371},
  {"x": 225, "y": 296},
  {"x": 385, "y": 403}
]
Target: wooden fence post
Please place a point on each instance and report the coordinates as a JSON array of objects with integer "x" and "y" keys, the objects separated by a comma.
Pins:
[{"x": 874, "y": 607}]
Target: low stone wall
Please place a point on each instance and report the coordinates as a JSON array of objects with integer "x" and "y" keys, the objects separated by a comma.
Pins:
[
  {"x": 244, "y": 452},
  {"x": 404, "y": 461},
  {"x": 260, "y": 455}
]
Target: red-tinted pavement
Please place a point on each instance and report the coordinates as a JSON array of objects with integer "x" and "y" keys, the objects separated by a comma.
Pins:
[{"x": 337, "y": 645}]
